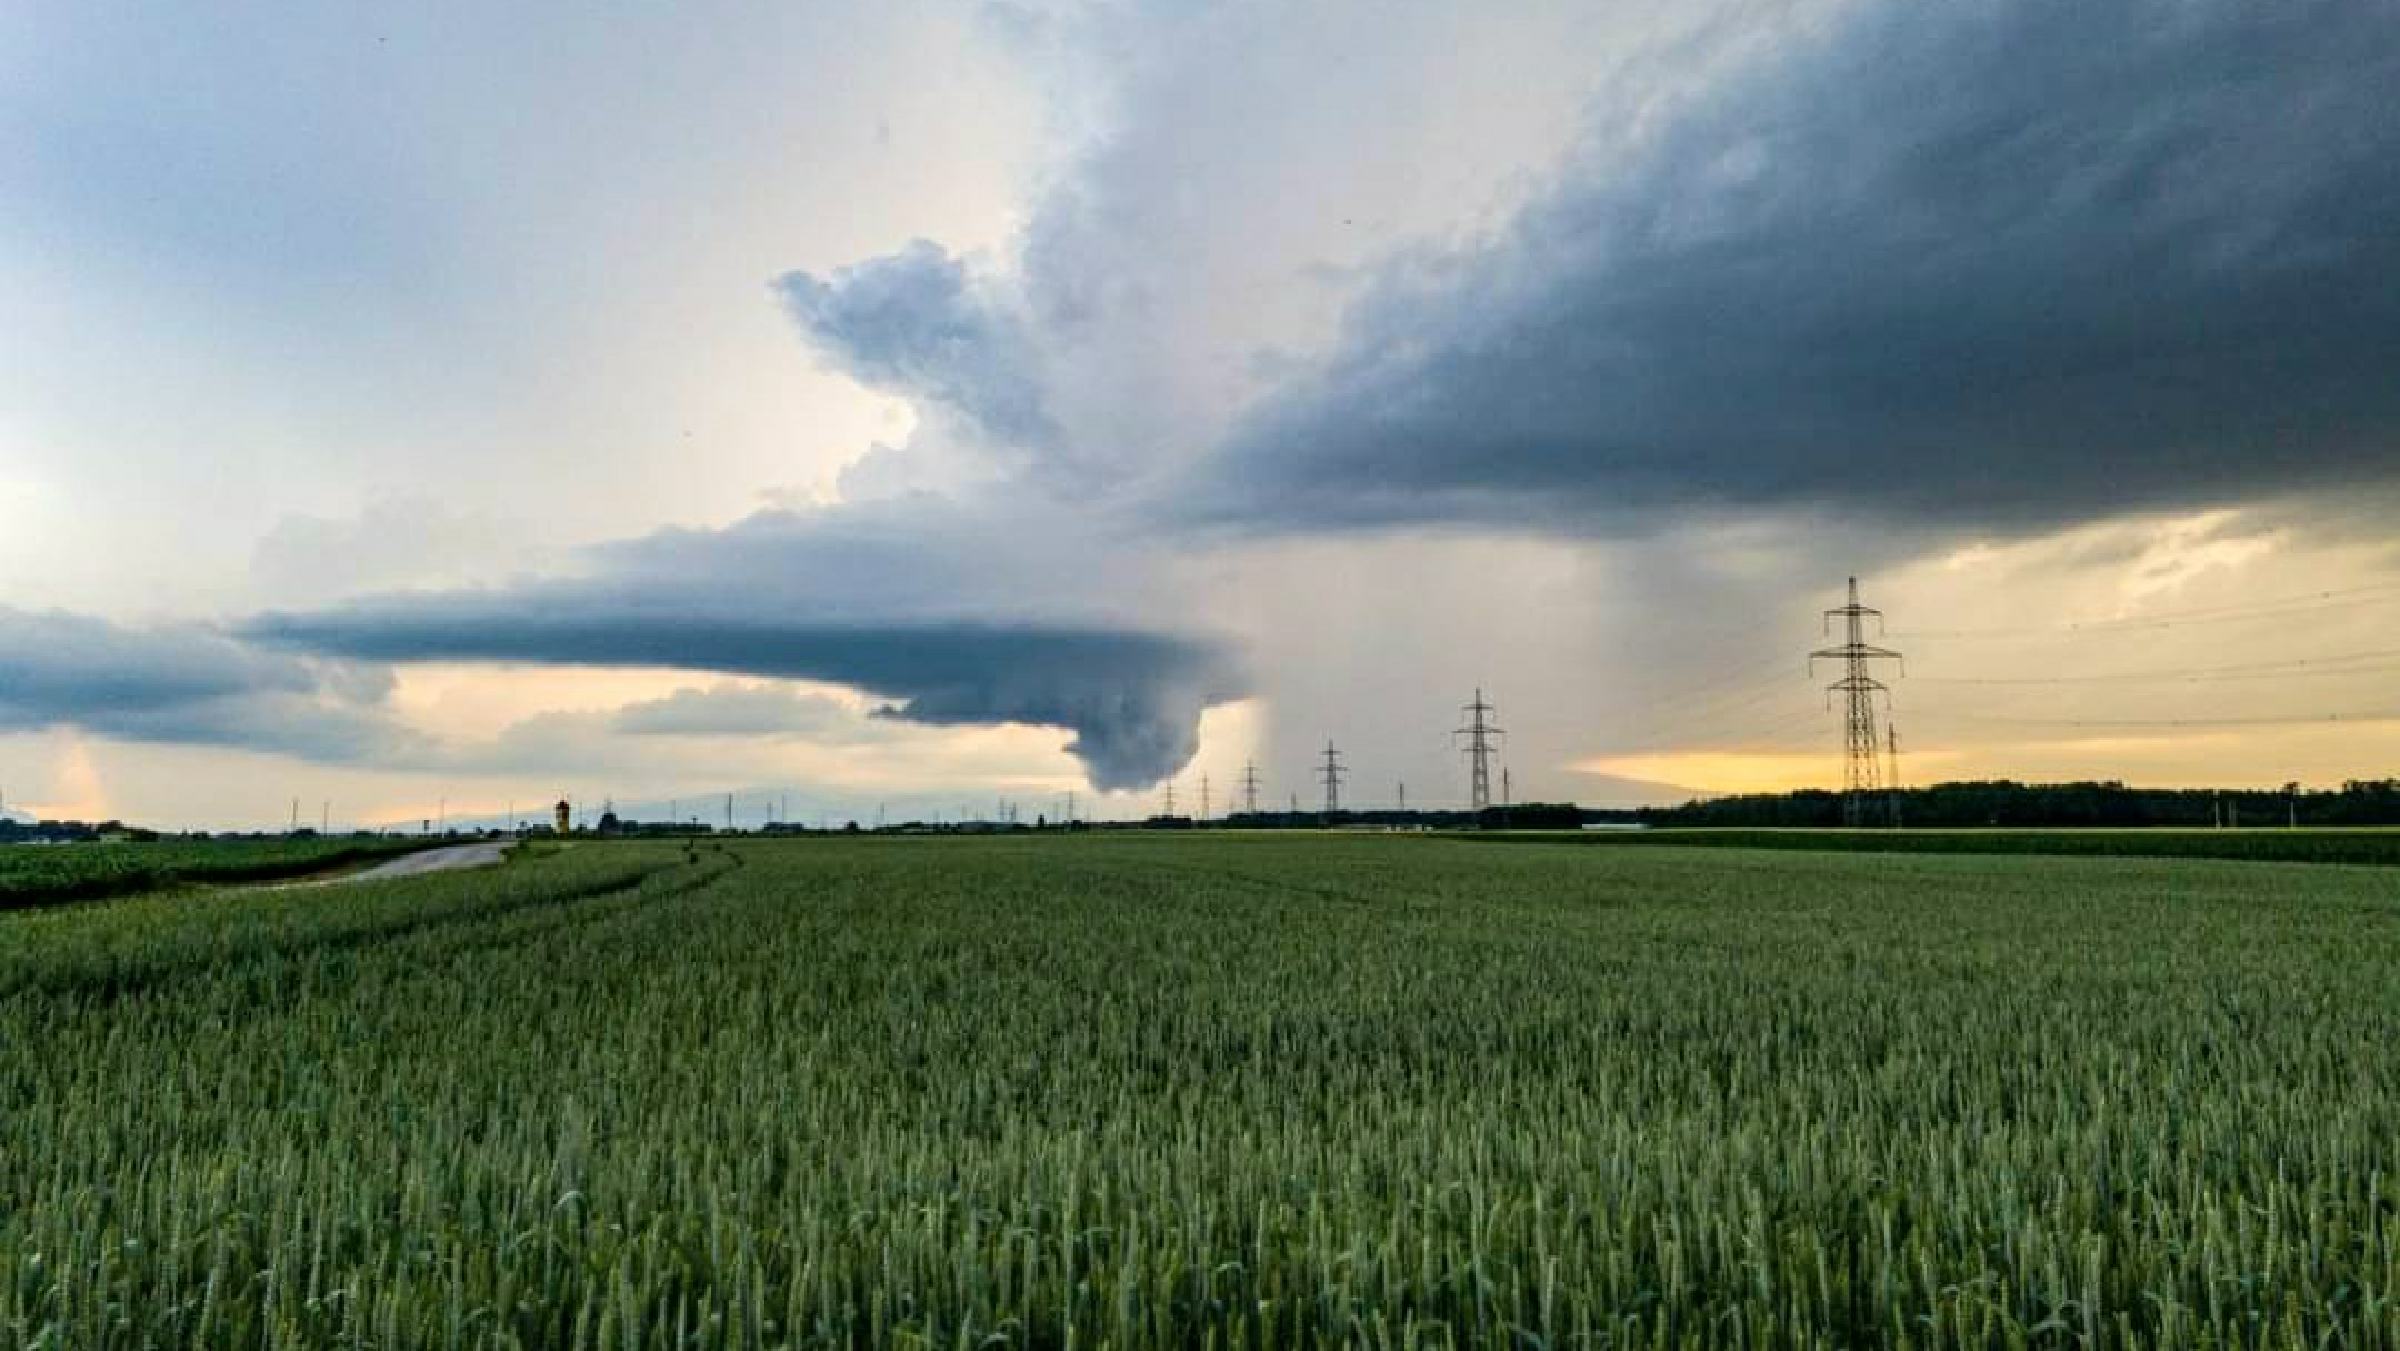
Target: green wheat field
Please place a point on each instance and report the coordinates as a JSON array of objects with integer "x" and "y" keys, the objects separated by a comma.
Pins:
[{"x": 1212, "y": 1091}]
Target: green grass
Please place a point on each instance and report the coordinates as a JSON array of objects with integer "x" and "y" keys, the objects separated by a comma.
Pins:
[
  {"x": 1177, "y": 1091},
  {"x": 2341, "y": 844},
  {"x": 42, "y": 874}
]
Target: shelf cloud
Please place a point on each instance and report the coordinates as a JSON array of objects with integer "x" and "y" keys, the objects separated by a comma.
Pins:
[
  {"x": 188, "y": 684},
  {"x": 874, "y": 598}
]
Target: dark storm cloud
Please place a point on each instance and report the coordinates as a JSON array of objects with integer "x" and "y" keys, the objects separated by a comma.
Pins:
[
  {"x": 1991, "y": 264},
  {"x": 186, "y": 685},
  {"x": 915, "y": 324}
]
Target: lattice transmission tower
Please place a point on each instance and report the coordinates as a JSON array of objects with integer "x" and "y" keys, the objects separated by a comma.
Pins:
[
  {"x": 1250, "y": 787},
  {"x": 1330, "y": 772},
  {"x": 1863, "y": 751},
  {"x": 1482, "y": 743}
]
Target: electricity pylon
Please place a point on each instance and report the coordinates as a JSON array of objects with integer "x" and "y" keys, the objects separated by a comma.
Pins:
[
  {"x": 1170, "y": 811},
  {"x": 1204, "y": 797},
  {"x": 1862, "y": 758},
  {"x": 1481, "y": 735},
  {"x": 1250, "y": 787},
  {"x": 1331, "y": 773}
]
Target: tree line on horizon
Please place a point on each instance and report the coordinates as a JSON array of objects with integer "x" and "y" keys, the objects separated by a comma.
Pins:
[{"x": 2006, "y": 802}]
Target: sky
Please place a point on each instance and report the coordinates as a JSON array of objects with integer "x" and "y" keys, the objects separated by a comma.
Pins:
[{"x": 900, "y": 407}]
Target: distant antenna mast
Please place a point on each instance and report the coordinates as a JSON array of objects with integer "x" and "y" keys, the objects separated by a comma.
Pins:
[
  {"x": 1862, "y": 768},
  {"x": 1482, "y": 743},
  {"x": 1250, "y": 787},
  {"x": 1331, "y": 773}
]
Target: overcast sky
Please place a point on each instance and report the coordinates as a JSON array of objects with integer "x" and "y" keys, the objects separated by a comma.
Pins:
[{"x": 922, "y": 403}]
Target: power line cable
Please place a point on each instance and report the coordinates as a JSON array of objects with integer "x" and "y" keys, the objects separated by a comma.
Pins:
[
  {"x": 2276, "y": 720},
  {"x": 2337, "y": 664},
  {"x": 2335, "y": 599}
]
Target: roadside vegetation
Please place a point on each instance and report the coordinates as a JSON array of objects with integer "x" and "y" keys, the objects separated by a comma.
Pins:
[
  {"x": 42, "y": 874},
  {"x": 1181, "y": 1090}
]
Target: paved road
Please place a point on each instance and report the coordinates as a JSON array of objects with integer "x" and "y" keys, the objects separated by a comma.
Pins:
[{"x": 482, "y": 854}]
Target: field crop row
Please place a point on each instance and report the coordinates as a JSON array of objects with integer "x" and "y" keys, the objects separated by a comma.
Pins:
[
  {"x": 1231, "y": 1091},
  {"x": 2363, "y": 845}
]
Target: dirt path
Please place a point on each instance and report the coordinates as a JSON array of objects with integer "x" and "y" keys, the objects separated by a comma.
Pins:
[{"x": 481, "y": 854}]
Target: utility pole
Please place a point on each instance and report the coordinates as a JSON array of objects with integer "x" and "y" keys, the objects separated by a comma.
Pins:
[
  {"x": 295, "y": 826},
  {"x": 1250, "y": 786},
  {"x": 1331, "y": 773},
  {"x": 1892, "y": 740},
  {"x": 1481, "y": 745},
  {"x": 729, "y": 813},
  {"x": 1862, "y": 769},
  {"x": 1507, "y": 794},
  {"x": 1404, "y": 796}
]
